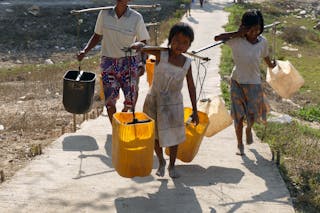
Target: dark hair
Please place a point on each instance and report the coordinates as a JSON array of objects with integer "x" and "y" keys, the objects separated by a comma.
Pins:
[
  {"x": 183, "y": 28},
  {"x": 251, "y": 18}
]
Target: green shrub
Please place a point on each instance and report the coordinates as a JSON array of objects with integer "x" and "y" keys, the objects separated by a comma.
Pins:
[
  {"x": 311, "y": 113},
  {"x": 294, "y": 35}
]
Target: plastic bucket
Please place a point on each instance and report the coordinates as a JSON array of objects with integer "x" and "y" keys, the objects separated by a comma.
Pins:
[
  {"x": 219, "y": 117},
  {"x": 132, "y": 144},
  {"x": 194, "y": 135},
  {"x": 78, "y": 91},
  {"x": 284, "y": 79}
]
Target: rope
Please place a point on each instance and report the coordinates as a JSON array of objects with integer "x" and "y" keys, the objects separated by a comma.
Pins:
[
  {"x": 274, "y": 30},
  {"x": 134, "y": 120},
  {"x": 79, "y": 22},
  {"x": 200, "y": 79}
]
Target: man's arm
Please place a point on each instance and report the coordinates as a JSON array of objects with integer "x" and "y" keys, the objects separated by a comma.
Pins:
[{"x": 93, "y": 41}]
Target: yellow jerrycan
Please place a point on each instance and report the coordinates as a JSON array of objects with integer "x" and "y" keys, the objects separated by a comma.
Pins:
[
  {"x": 150, "y": 63},
  {"x": 194, "y": 135},
  {"x": 284, "y": 79},
  {"x": 132, "y": 144},
  {"x": 219, "y": 117}
]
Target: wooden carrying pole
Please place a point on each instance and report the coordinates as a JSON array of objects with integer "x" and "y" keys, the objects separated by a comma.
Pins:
[
  {"x": 165, "y": 48},
  {"x": 135, "y": 6}
]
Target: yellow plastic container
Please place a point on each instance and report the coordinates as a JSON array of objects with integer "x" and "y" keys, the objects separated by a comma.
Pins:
[
  {"x": 101, "y": 93},
  {"x": 194, "y": 135},
  {"x": 219, "y": 117},
  {"x": 132, "y": 145},
  {"x": 150, "y": 70},
  {"x": 284, "y": 79}
]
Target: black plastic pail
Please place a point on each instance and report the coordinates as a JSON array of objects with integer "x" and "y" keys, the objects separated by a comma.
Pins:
[{"x": 78, "y": 91}]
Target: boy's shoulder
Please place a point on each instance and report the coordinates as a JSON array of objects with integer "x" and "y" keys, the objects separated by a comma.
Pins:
[{"x": 133, "y": 12}]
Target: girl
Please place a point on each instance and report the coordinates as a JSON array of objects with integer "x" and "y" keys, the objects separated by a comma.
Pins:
[
  {"x": 248, "y": 47},
  {"x": 201, "y": 3},
  {"x": 164, "y": 101}
]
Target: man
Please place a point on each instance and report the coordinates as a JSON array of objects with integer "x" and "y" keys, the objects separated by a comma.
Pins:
[{"x": 118, "y": 28}]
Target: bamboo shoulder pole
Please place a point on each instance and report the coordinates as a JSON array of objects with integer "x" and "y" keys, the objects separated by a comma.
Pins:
[
  {"x": 221, "y": 42},
  {"x": 165, "y": 48},
  {"x": 135, "y": 6}
]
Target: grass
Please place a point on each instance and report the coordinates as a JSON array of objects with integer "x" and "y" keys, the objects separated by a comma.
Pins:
[
  {"x": 299, "y": 144},
  {"x": 309, "y": 113}
]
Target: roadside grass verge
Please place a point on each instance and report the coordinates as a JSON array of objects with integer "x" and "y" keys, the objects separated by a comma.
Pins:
[{"x": 298, "y": 144}]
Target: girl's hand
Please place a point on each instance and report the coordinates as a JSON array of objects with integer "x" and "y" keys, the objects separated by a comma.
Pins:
[
  {"x": 195, "y": 118},
  {"x": 243, "y": 30},
  {"x": 137, "y": 46},
  {"x": 274, "y": 63},
  {"x": 270, "y": 63}
]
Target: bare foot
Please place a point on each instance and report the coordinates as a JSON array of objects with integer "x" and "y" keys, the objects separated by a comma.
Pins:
[
  {"x": 249, "y": 136},
  {"x": 240, "y": 150},
  {"x": 173, "y": 172},
  {"x": 161, "y": 169}
]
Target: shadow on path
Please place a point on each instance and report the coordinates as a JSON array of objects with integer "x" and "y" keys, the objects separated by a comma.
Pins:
[
  {"x": 164, "y": 200},
  {"x": 84, "y": 143},
  {"x": 195, "y": 175},
  {"x": 79, "y": 143},
  {"x": 271, "y": 182},
  {"x": 181, "y": 197}
]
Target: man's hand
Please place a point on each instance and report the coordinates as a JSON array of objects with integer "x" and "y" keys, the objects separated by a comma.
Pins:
[
  {"x": 137, "y": 46},
  {"x": 81, "y": 55},
  {"x": 141, "y": 69}
]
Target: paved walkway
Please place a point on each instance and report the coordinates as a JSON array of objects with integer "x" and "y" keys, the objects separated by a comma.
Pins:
[{"x": 75, "y": 173}]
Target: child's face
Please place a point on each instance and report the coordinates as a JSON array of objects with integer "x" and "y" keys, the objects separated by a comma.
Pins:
[
  {"x": 180, "y": 43},
  {"x": 253, "y": 32}
]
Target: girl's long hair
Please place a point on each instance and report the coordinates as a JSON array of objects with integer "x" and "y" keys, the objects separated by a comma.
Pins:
[{"x": 253, "y": 17}]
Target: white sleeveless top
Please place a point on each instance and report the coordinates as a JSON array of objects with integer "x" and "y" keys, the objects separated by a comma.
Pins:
[{"x": 164, "y": 102}]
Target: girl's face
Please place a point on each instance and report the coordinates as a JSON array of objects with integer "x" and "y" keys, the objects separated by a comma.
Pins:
[
  {"x": 253, "y": 32},
  {"x": 180, "y": 43}
]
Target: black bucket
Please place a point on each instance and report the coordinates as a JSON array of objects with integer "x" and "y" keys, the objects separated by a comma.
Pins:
[{"x": 78, "y": 91}]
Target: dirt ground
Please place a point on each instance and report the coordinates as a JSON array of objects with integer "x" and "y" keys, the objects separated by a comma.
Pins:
[{"x": 31, "y": 107}]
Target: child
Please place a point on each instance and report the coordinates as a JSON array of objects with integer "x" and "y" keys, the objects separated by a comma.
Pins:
[
  {"x": 201, "y": 3},
  {"x": 164, "y": 101},
  {"x": 248, "y": 47},
  {"x": 188, "y": 7}
]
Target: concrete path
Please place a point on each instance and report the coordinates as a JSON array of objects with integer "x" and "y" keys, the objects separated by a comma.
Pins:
[{"x": 75, "y": 173}]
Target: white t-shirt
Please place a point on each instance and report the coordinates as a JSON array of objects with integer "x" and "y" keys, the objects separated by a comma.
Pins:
[
  {"x": 247, "y": 58},
  {"x": 119, "y": 32}
]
